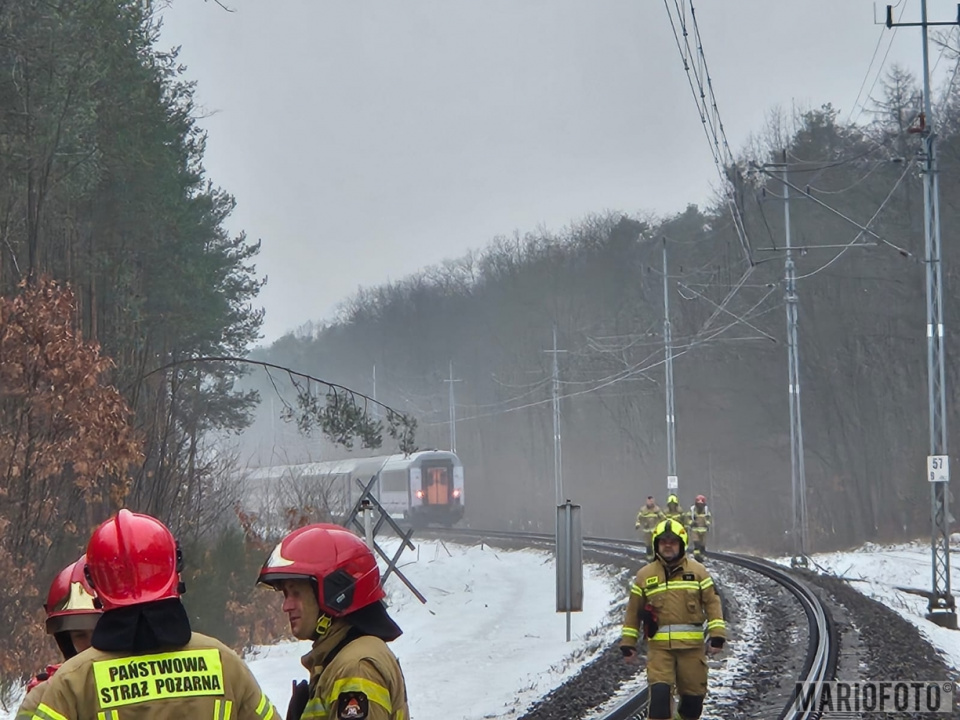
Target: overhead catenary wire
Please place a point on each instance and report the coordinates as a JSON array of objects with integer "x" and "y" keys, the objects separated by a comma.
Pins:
[
  {"x": 903, "y": 251},
  {"x": 866, "y": 227},
  {"x": 628, "y": 372},
  {"x": 876, "y": 78},
  {"x": 701, "y": 85}
]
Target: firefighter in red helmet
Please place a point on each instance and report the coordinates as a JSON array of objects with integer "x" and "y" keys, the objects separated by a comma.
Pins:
[
  {"x": 145, "y": 663},
  {"x": 332, "y": 594},
  {"x": 700, "y": 522},
  {"x": 72, "y": 612}
]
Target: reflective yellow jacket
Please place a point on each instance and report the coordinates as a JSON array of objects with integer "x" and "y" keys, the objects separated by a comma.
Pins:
[
  {"x": 363, "y": 676},
  {"x": 686, "y": 602},
  {"x": 700, "y": 521},
  {"x": 648, "y": 518},
  {"x": 202, "y": 680},
  {"x": 679, "y": 515}
]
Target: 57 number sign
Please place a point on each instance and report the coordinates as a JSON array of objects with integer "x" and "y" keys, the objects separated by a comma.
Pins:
[{"x": 938, "y": 468}]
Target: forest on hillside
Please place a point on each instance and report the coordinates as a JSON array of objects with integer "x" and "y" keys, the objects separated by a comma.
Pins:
[
  {"x": 490, "y": 315},
  {"x": 115, "y": 266},
  {"x": 117, "y": 272}
]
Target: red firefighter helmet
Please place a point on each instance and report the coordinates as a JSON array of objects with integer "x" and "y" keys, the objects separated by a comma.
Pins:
[
  {"x": 133, "y": 559},
  {"x": 702, "y": 499},
  {"x": 345, "y": 571},
  {"x": 71, "y": 603}
]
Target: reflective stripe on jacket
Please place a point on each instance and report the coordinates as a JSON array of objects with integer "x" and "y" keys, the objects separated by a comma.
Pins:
[
  {"x": 678, "y": 515},
  {"x": 648, "y": 518},
  {"x": 700, "y": 521},
  {"x": 686, "y": 602},
  {"x": 32, "y": 700},
  {"x": 365, "y": 665},
  {"x": 202, "y": 680}
]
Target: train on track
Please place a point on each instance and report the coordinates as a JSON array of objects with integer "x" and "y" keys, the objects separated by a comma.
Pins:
[{"x": 424, "y": 488}]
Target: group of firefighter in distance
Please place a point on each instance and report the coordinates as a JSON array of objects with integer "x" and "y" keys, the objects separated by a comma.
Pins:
[{"x": 696, "y": 520}]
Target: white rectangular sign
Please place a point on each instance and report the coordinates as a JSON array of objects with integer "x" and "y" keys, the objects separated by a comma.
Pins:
[
  {"x": 672, "y": 482},
  {"x": 938, "y": 468}
]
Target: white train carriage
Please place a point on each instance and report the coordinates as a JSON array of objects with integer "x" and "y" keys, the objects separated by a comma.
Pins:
[{"x": 423, "y": 488}]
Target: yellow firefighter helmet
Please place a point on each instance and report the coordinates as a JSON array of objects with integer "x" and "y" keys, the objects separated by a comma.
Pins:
[{"x": 669, "y": 528}]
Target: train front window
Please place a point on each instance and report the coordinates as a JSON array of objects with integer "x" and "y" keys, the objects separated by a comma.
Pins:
[
  {"x": 437, "y": 475},
  {"x": 437, "y": 483}
]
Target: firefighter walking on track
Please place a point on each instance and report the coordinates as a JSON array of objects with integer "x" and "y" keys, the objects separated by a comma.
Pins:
[
  {"x": 647, "y": 520},
  {"x": 674, "y": 512},
  {"x": 673, "y": 603},
  {"x": 700, "y": 521}
]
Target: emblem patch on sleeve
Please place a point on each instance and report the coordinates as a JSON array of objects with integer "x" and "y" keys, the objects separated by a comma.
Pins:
[
  {"x": 352, "y": 706},
  {"x": 689, "y": 576}
]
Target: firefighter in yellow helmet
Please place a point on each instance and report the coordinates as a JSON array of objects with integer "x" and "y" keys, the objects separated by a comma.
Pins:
[
  {"x": 675, "y": 512},
  {"x": 647, "y": 519},
  {"x": 675, "y": 606}
]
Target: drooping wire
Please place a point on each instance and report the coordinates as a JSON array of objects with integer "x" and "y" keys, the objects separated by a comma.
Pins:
[{"x": 866, "y": 225}]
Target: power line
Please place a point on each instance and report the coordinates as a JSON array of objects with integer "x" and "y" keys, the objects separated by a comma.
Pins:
[
  {"x": 866, "y": 75},
  {"x": 883, "y": 62},
  {"x": 706, "y": 101},
  {"x": 633, "y": 370},
  {"x": 867, "y": 225}
]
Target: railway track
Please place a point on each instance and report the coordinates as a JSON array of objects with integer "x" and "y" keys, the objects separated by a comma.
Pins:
[{"x": 821, "y": 657}]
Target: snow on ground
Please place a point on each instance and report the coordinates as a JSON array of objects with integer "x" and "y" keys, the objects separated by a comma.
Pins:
[
  {"x": 878, "y": 570},
  {"x": 489, "y": 627}
]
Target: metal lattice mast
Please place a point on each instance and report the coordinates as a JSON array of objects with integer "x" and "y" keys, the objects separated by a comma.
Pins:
[
  {"x": 451, "y": 400},
  {"x": 557, "y": 448},
  {"x": 798, "y": 481},
  {"x": 672, "y": 481},
  {"x": 941, "y": 605}
]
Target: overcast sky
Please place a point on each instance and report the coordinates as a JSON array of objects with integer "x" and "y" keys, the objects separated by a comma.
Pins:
[{"x": 365, "y": 140}]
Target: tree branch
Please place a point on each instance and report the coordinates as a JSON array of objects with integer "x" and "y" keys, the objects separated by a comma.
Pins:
[{"x": 339, "y": 416}]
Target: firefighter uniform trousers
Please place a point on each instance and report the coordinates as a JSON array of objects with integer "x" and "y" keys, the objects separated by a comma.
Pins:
[{"x": 685, "y": 669}]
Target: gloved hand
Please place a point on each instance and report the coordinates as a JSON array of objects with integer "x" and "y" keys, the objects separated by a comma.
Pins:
[
  {"x": 715, "y": 645},
  {"x": 630, "y": 655},
  {"x": 298, "y": 700}
]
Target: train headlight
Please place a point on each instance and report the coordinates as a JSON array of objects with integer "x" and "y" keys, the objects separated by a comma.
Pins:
[
  {"x": 456, "y": 492},
  {"x": 419, "y": 494}
]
